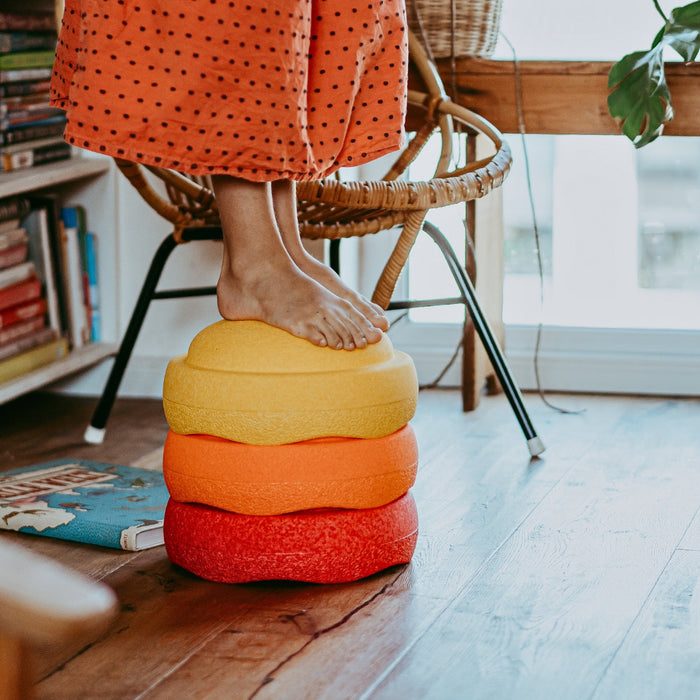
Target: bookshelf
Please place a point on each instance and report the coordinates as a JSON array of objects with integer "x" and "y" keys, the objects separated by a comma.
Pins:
[{"x": 79, "y": 180}]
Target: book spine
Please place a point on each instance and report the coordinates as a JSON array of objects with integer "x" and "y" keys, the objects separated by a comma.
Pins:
[
  {"x": 14, "y": 208},
  {"x": 17, "y": 274},
  {"x": 12, "y": 236},
  {"x": 13, "y": 256},
  {"x": 34, "y": 144},
  {"x": 21, "y": 293},
  {"x": 27, "y": 342},
  {"x": 29, "y": 22},
  {"x": 20, "y": 329},
  {"x": 29, "y": 360},
  {"x": 10, "y": 162},
  {"x": 22, "y": 313},
  {"x": 79, "y": 325},
  {"x": 50, "y": 204},
  {"x": 27, "y": 59},
  {"x": 93, "y": 286},
  {"x": 18, "y": 117},
  {"x": 33, "y": 131},
  {"x": 26, "y": 41},
  {"x": 40, "y": 250},
  {"x": 23, "y": 75},
  {"x": 16, "y": 89}
]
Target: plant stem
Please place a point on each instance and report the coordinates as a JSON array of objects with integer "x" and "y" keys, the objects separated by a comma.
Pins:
[{"x": 659, "y": 10}]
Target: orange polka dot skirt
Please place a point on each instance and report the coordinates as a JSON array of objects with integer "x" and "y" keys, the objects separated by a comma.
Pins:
[{"x": 258, "y": 89}]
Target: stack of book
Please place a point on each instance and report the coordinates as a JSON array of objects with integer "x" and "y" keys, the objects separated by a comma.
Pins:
[
  {"x": 30, "y": 327},
  {"x": 30, "y": 129},
  {"x": 48, "y": 284}
]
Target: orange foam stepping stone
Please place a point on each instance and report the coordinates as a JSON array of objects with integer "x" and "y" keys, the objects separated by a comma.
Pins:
[
  {"x": 250, "y": 382},
  {"x": 319, "y": 546},
  {"x": 274, "y": 479}
]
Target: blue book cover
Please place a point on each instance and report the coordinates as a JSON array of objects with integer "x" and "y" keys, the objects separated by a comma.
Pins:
[{"x": 75, "y": 499}]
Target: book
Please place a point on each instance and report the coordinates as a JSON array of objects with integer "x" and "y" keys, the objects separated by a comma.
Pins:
[
  {"x": 31, "y": 87},
  {"x": 29, "y": 360},
  {"x": 26, "y": 342},
  {"x": 21, "y": 329},
  {"x": 22, "y": 293},
  {"x": 93, "y": 286},
  {"x": 25, "y": 75},
  {"x": 29, "y": 114},
  {"x": 83, "y": 501},
  {"x": 41, "y": 253},
  {"x": 76, "y": 288},
  {"x": 22, "y": 312},
  {"x": 34, "y": 130},
  {"x": 11, "y": 233},
  {"x": 16, "y": 274},
  {"x": 22, "y": 103},
  {"x": 25, "y": 41},
  {"x": 13, "y": 255},
  {"x": 51, "y": 204},
  {"x": 27, "y": 59},
  {"x": 30, "y": 156},
  {"x": 13, "y": 208},
  {"x": 28, "y": 22}
]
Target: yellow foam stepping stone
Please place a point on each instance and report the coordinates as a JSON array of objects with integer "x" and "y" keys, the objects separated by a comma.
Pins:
[{"x": 250, "y": 382}]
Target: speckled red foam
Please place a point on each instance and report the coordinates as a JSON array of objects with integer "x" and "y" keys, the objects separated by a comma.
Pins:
[
  {"x": 320, "y": 546},
  {"x": 274, "y": 479}
]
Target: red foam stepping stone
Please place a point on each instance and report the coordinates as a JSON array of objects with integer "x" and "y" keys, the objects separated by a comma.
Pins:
[
  {"x": 319, "y": 546},
  {"x": 274, "y": 479}
]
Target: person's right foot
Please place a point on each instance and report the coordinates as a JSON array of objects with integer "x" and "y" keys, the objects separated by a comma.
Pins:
[{"x": 287, "y": 298}]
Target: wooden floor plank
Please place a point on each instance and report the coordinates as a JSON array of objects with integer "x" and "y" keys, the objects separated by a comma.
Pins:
[
  {"x": 476, "y": 460},
  {"x": 547, "y": 612},
  {"x": 528, "y": 574},
  {"x": 661, "y": 656},
  {"x": 166, "y": 616}
]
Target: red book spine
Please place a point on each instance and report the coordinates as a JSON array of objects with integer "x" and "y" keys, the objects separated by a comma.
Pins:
[
  {"x": 20, "y": 329},
  {"x": 21, "y": 293},
  {"x": 13, "y": 256},
  {"x": 20, "y": 313}
]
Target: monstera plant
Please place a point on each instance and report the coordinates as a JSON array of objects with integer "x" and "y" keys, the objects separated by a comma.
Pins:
[{"x": 639, "y": 95}]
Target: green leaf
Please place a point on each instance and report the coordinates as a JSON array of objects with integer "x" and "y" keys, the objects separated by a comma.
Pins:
[{"x": 640, "y": 98}]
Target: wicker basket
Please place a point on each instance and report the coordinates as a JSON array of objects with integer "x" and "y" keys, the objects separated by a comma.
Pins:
[{"x": 456, "y": 27}]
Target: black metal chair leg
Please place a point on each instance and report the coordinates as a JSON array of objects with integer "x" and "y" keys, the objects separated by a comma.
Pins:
[
  {"x": 483, "y": 329},
  {"x": 96, "y": 430}
]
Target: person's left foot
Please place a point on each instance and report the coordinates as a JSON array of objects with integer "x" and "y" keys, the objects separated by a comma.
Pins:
[{"x": 327, "y": 277}]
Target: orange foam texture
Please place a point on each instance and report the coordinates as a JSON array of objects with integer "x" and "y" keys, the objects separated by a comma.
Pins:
[
  {"x": 247, "y": 381},
  {"x": 274, "y": 479},
  {"x": 321, "y": 546}
]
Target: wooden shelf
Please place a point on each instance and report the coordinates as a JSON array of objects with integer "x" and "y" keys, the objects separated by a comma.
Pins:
[
  {"x": 75, "y": 361},
  {"x": 51, "y": 175}
]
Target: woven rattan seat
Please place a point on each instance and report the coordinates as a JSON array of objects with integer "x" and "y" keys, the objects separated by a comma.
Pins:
[{"x": 335, "y": 209}]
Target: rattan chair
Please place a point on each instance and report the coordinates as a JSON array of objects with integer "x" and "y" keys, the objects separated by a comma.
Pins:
[{"x": 334, "y": 209}]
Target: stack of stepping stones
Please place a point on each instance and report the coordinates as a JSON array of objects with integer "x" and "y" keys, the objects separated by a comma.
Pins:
[{"x": 288, "y": 461}]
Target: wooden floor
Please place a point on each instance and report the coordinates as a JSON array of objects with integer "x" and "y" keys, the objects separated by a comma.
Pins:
[{"x": 573, "y": 576}]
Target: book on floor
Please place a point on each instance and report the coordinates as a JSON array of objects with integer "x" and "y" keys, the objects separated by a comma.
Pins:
[{"x": 83, "y": 501}]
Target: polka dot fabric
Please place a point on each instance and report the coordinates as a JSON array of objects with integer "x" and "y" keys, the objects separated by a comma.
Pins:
[{"x": 258, "y": 89}]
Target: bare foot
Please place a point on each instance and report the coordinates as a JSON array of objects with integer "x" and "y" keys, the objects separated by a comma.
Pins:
[
  {"x": 284, "y": 296},
  {"x": 285, "y": 212},
  {"x": 331, "y": 281}
]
